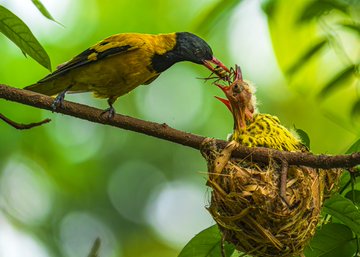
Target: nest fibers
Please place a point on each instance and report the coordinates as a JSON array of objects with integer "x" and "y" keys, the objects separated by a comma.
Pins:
[{"x": 246, "y": 204}]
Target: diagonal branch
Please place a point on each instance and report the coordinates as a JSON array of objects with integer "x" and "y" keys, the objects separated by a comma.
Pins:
[{"x": 163, "y": 131}]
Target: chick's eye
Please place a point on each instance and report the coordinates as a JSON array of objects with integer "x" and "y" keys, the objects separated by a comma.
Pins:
[{"x": 236, "y": 88}]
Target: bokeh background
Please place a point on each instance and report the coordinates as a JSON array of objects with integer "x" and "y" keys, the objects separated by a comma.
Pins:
[{"x": 66, "y": 183}]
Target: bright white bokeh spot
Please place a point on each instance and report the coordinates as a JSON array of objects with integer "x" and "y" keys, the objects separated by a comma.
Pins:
[
  {"x": 173, "y": 99},
  {"x": 14, "y": 243},
  {"x": 250, "y": 44},
  {"x": 79, "y": 230},
  {"x": 177, "y": 212},
  {"x": 130, "y": 187},
  {"x": 25, "y": 191}
]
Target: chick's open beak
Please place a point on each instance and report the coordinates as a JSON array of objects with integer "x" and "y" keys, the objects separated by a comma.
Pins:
[
  {"x": 216, "y": 62},
  {"x": 233, "y": 105},
  {"x": 225, "y": 89},
  {"x": 224, "y": 101}
]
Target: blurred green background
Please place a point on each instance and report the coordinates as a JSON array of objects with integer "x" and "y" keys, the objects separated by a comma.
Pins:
[{"x": 66, "y": 183}]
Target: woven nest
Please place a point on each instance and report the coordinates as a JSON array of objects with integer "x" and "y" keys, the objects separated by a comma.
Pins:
[{"x": 246, "y": 205}]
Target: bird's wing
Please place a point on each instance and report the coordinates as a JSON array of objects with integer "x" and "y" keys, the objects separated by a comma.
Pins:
[{"x": 108, "y": 47}]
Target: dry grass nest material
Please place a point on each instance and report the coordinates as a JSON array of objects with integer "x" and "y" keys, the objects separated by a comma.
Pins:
[{"x": 250, "y": 213}]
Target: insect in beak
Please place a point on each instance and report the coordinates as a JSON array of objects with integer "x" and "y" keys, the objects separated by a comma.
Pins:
[{"x": 218, "y": 64}]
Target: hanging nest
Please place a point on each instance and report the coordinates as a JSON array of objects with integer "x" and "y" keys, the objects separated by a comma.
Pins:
[{"x": 246, "y": 204}]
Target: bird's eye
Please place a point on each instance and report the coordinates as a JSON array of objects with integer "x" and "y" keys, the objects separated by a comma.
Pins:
[
  {"x": 236, "y": 88},
  {"x": 197, "y": 52}
]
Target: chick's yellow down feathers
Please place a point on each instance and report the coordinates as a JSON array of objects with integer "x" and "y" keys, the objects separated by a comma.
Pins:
[
  {"x": 120, "y": 63},
  {"x": 256, "y": 129}
]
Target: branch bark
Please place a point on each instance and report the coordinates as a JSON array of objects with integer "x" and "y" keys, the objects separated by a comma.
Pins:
[{"x": 163, "y": 131}]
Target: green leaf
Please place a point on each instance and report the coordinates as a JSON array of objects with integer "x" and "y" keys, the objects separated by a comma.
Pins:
[
  {"x": 355, "y": 110},
  {"x": 269, "y": 7},
  {"x": 338, "y": 80},
  {"x": 354, "y": 196},
  {"x": 345, "y": 211},
  {"x": 355, "y": 27},
  {"x": 355, "y": 147},
  {"x": 320, "y": 7},
  {"x": 304, "y": 137},
  {"x": 214, "y": 14},
  {"x": 17, "y": 31},
  {"x": 332, "y": 240},
  {"x": 306, "y": 56},
  {"x": 352, "y": 3},
  {"x": 39, "y": 5},
  {"x": 206, "y": 244}
]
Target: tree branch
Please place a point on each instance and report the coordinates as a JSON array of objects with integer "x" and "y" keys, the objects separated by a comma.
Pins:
[
  {"x": 22, "y": 126},
  {"x": 163, "y": 131}
]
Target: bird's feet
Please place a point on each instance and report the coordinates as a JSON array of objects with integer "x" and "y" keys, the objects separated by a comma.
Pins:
[
  {"x": 59, "y": 101},
  {"x": 110, "y": 112}
]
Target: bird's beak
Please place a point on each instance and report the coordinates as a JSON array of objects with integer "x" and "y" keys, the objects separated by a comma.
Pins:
[
  {"x": 216, "y": 62},
  {"x": 234, "y": 107},
  {"x": 224, "y": 101},
  {"x": 225, "y": 89}
]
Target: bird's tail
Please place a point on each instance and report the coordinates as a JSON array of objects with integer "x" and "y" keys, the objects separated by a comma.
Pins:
[{"x": 44, "y": 88}]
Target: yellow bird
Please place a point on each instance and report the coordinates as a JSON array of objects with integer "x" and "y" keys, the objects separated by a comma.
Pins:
[{"x": 120, "y": 63}]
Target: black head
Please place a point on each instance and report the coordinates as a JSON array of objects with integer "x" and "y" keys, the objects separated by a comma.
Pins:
[
  {"x": 192, "y": 48},
  {"x": 188, "y": 47}
]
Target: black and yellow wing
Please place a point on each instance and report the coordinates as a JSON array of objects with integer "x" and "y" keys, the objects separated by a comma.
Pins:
[{"x": 104, "y": 49}]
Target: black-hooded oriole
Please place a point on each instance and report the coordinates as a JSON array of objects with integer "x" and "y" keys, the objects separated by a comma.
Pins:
[{"x": 120, "y": 63}]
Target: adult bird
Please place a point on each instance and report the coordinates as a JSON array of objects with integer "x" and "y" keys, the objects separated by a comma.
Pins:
[{"x": 122, "y": 62}]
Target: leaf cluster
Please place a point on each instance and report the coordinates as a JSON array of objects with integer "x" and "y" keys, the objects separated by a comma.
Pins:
[{"x": 20, "y": 34}]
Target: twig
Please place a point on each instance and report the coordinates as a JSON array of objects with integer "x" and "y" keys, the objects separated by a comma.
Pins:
[
  {"x": 222, "y": 246},
  {"x": 23, "y": 126},
  {"x": 283, "y": 178},
  {"x": 163, "y": 131}
]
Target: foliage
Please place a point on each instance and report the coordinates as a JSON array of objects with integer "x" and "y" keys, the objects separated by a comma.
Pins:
[
  {"x": 77, "y": 164},
  {"x": 332, "y": 240},
  {"x": 43, "y": 9},
  {"x": 331, "y": 31},
  {"x": 206, "y": 244},
  {"x": 17, "y": 31},
  {"x": 305, "y": 139},
  {"x": 219, "y": 11}
]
